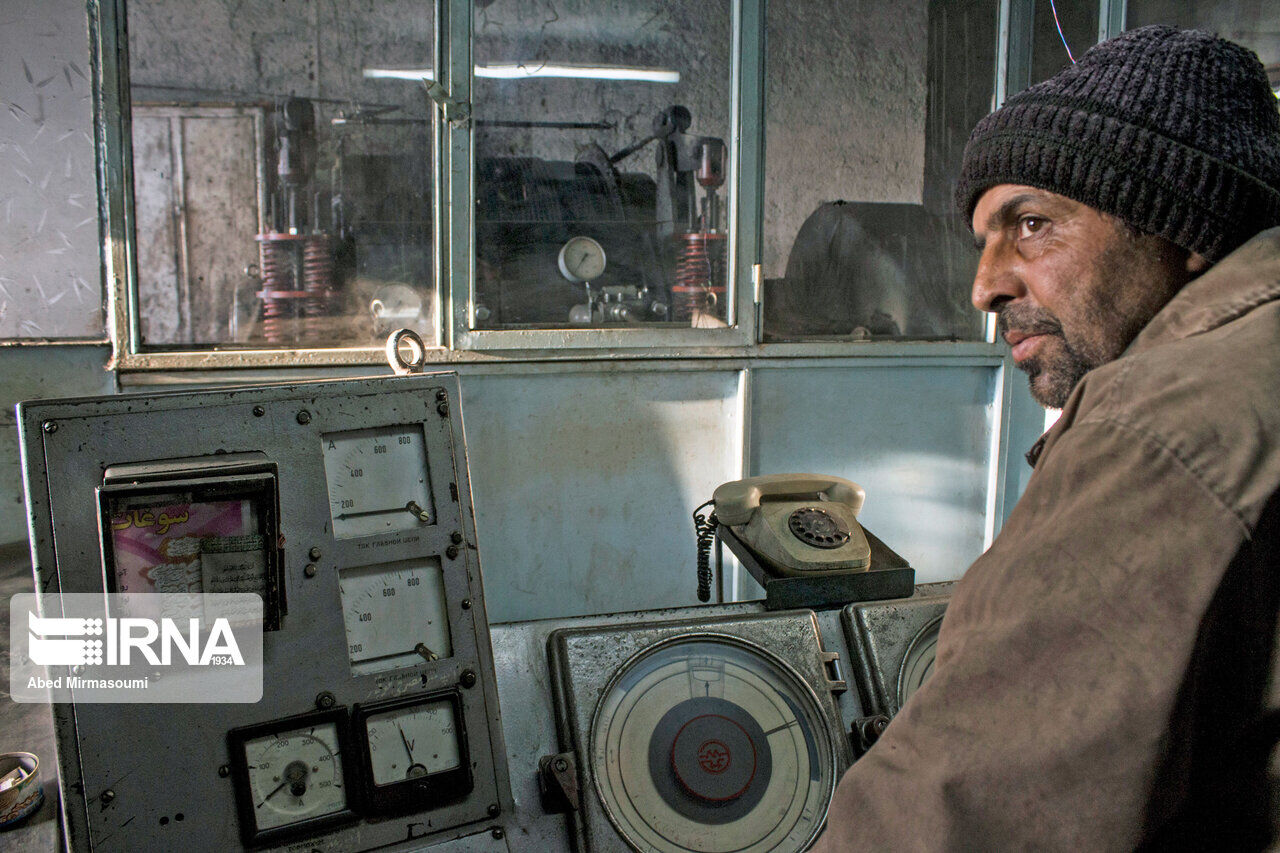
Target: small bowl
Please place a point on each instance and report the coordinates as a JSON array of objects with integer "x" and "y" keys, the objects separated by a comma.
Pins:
[{"x": 22, "y": 799}]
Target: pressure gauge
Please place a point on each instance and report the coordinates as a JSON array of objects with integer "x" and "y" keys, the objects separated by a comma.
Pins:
[
  {"x": 414, "y": 753},
  {"x": 378, "y": 481},
  {"x": 711, "y": 745},
  {"x": 582, "y": 259},
  {"x": 291, "y": 776},
  {"x": 396, "y": 614}
]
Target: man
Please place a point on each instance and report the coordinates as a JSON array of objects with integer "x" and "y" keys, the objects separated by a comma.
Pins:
[{"x": 1107, "y": 676}]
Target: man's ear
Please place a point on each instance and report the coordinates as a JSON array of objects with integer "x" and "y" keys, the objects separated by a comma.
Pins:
[{"x": 1197, "y": 263}]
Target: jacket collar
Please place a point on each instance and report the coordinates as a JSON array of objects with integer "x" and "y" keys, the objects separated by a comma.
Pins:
[{"x": 1240, "y": 282}]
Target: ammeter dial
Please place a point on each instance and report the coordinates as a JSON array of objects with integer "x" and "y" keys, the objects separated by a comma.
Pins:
[
  {"x": 396, "y": 614},
  {"x": 378, "y": 481},
  {"x": 711, "y": 745},
  {"x": 291, "y": 775}
]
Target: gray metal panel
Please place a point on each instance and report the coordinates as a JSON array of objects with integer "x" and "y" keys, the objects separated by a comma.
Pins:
[
  {"x": 103, "y": 747},
  {"x": 584, "y": 660},
  {"x": 917, "y": 439},
  {"x": 585, "y": 483}
]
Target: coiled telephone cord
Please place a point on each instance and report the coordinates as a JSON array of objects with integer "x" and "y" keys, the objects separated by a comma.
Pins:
[{"x": 704, "y": 526}]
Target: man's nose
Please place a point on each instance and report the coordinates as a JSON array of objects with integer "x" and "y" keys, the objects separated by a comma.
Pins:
[{"x": 996, "y": 281}]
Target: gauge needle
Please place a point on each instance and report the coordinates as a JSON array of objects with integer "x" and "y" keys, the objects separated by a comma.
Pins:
[
  {"x": 273, "y": 793},
  {"x": 405, "y": 741}
]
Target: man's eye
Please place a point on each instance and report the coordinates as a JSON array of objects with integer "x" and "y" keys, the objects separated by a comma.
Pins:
[{"x": 1029, "y": 225}]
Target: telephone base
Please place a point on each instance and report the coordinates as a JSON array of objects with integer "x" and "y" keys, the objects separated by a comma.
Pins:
[{"x": 889, "y": 576}]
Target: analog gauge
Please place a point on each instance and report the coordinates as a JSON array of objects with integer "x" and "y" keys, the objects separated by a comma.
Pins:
[
  {"x": 396, "y": 614},
  {"x": 917, "y": 666},
  {"x": 712, "y": 745},
  {"x": 377, "y": 480},
  {"x": 291, "y": 776},
  {"x": 582, "y": 259},
  {"x": 414, "y": 752}
]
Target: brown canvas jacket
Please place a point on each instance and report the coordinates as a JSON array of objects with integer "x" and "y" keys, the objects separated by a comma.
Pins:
[{"x": 1106, "y": 675}]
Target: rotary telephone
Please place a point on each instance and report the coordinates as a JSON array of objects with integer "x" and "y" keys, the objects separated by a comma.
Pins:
[{"x": 799, "y": 537}]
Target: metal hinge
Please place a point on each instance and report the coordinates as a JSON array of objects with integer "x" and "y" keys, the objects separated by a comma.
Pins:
[
  {"x": 836, "y": 682},
  {"x": 558, "y": 783},
  {"x": 457, "y": 113}
]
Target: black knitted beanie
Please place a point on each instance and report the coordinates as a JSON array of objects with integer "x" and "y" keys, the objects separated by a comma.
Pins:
[{"x": 1174, "y": 131}]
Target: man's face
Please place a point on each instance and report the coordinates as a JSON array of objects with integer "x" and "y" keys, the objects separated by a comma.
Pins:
[{"x": 1071, "y": 286}]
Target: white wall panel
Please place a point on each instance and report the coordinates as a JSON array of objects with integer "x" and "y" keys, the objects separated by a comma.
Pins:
[
  {"x": 584, "y": 484},
  {"x": 916, "y": 438}
]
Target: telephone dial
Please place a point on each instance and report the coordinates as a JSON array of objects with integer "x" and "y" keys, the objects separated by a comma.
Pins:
[{"x": 798, "y": 535}]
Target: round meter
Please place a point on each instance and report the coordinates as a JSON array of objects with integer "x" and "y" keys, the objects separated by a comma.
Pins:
[
  {"x": 291, "y": 777},
  {"x": 581, "y": 259},
  {"x": 917, "y": 666},
  {"x": 711, "y": 744}
]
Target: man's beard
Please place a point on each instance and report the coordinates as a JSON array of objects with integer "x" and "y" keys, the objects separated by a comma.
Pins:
[{"x": 1052, "y": 379}]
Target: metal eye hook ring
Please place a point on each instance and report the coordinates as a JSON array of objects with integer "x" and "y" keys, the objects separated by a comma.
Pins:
[{"x": 418, "y": 360}]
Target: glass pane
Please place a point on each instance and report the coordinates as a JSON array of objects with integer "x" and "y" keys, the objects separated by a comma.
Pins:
[
  {"x": 50, "y": 276},
  {"x": 282, "y": 175},
  {"x": 1252, "y": 23},
  {"x": 601, "y": 167},
  {"x": 866, "y": 120},
  {"x": 1079, "y": 22}
]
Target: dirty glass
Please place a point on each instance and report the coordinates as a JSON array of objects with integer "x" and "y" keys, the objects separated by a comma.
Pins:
[
  {"x": 866, "y": 119},
  {"x": 1252, "y": 23},
  {"x": 601, "y": 163},
  {"x": 50, "y": 279},
  {"x": 282, "y": 173},
  {"x": 1079, "y": 29}
]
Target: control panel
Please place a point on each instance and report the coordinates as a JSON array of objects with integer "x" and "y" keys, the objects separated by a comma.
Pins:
[{"x": 347, "y": 507}]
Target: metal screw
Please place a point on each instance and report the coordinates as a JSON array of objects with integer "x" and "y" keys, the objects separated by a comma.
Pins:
[
  {"x": 50, "y": 427},
  {"x": 443, "y": 410},
  {"x": 451, "y": 552},
  {"x": 224, "y": 771},
  {"x": 314, "y": 553},
  {"x": 107, "y": 796},
  {"x": 258, "y": 411},
  {"x": 325, "y": 700},
  {"x": 304, "y": 417},
  {"x": 469, "y": 680},
  {"x": 494, "y": 811},
  {"x": 466, "y": 604},
  {"x": 561, "y": 765},
  {"x": 442, "y": 396},
  {"x": 497, "y": 832},
  {"x": 310, "y": 570},
  {"x": 455, "y": 537}
]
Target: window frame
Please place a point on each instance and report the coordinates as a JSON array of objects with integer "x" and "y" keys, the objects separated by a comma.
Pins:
[{"x": 454, "y": 250}]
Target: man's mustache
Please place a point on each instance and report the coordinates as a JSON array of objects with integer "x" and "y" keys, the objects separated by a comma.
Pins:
[{"x": 1026, "y": 319}]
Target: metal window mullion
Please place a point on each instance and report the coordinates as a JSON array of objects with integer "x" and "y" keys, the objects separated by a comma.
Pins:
[
  {"x": 747, "y": 123},
  {"x": 1111, "y": 18},
  {"x": 109, "y": 54},
  {"x": 457, "y": 66},
  {"x": 1015, "y": 32}
]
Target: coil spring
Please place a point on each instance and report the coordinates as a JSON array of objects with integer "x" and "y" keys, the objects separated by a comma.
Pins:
[
  {"x": 277, "y": 276},
  {"x": 704, "y": 526},
  {"x": 317, "y": 280},
  {"x": 700, "y": 268}
]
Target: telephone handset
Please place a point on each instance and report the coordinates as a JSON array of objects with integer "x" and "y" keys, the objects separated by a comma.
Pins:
[{"x": 799, "y": 536}]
